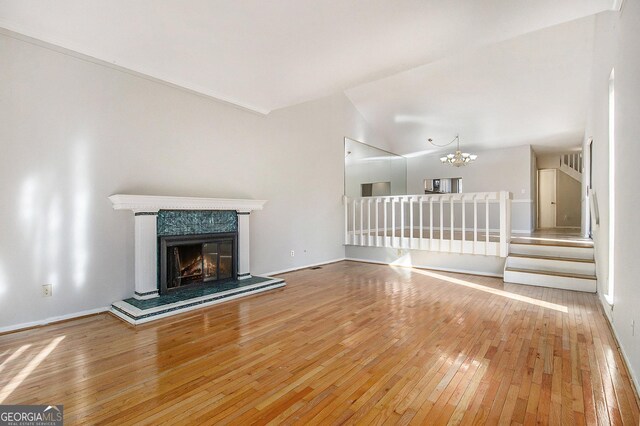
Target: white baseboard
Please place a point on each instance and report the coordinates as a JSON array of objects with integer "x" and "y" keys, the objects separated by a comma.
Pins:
[
  {"x": 51, "y": 320},
  {"x": 459, "y": 271},
  {"x": 297, "y": 268},
  {"x": 634, "y": 379}
]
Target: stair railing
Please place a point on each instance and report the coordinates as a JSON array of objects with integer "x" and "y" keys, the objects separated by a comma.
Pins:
[{"x": 573, "y": 160}]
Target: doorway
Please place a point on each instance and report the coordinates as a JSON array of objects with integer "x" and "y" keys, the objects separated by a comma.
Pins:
[{"x": 547, "y": 198}]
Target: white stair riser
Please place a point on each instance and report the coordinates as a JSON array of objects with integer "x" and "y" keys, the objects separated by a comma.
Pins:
[
  {"x": 566, "y": 266},
  {"x": 564, "y": 283},
  {"x": 552, "y": 251}
]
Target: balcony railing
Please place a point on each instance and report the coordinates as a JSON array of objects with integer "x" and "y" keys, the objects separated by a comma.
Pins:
[{"x": 471, "y": 223}]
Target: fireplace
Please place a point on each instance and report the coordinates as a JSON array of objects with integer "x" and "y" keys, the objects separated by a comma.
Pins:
[
  {"x": 191, "y": 260},
  {"x": 172, "y": 219}
]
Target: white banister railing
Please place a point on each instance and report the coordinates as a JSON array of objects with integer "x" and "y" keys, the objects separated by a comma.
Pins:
[
  {"x": 573, "y": 160},
  {"x": 432, "y": 222}
]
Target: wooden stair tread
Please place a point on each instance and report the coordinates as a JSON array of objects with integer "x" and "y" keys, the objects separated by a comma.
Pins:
[
  {"x": 556, "y": 274},
  {"x": 575, "y": 244},
  {"x": 563, "y": 259}
]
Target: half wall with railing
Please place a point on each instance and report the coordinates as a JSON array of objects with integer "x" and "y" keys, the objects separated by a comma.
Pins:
[{"x": 470, "y": 223}]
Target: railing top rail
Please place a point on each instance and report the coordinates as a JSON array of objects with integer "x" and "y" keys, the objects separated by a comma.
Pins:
[{"x": 454, "y": 196}]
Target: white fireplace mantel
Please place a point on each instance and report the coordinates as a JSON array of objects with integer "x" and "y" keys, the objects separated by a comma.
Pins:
[
  {"x": 146, "y": 208},
  {"x": 154, "y": 203}
]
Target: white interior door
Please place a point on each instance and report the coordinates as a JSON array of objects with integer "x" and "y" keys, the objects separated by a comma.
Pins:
[{"x": 547, "y": 198}]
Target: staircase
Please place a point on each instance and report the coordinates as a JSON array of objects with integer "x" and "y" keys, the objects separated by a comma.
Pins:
[
  {"x": 572, "y": 165},
  {"x": 556, "y": 263}
]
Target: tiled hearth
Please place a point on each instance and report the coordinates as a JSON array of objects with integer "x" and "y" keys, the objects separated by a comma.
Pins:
[
  {"x": 138, "y": 311},
  {"x": 220, "y": 271}
]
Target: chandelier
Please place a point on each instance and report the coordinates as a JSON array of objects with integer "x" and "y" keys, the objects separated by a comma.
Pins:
[{"x": 458, "y": 158}]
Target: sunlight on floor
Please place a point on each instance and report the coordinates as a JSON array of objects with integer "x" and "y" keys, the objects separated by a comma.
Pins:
[
  {"x": 495, "y": 291},
  {"x": 13, "y": 356},
  {"x": 28, "y": 369}
]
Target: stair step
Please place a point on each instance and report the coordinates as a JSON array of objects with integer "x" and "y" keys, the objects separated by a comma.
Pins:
[
  {"x": 555, "y": 274},
  {"x": 563, "y": 281},
  {"x": 544, "y": 263},
  {"x": 542, "y": 257},
  {"x": 561, "y": 251},
  {"x": 554, "y": 243}
]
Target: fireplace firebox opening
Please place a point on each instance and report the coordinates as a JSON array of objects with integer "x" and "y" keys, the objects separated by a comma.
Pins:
[{"x": 190, "y": 260}]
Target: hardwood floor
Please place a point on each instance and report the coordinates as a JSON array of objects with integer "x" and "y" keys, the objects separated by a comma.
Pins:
[{"x": 349, "y": 343}]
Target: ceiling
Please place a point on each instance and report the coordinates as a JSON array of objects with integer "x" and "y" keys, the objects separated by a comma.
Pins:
[
  {"x": 529, "y": 90},
  {"x": 265, "y": 55}
]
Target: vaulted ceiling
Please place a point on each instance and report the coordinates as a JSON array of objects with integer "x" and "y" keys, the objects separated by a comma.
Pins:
[
  {"x": 265, "y": 55},
  {"x": 529, "y": 90}
]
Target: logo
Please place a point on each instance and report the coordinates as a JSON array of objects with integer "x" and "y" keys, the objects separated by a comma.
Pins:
[{"x": 31, "y": 415}]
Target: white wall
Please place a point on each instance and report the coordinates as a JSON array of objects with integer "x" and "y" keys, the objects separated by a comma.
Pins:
[
  {"x": 616, "y": 45},
  {"x": 568, "y": 192},
  {"x": 548, "y": 161},
  {"x": 454, "y": 262},
  {"x": 73, "y": 132},
  {"x": 508, "y": 169}
]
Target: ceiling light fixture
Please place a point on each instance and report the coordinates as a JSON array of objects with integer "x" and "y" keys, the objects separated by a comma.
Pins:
[{"x": 458, "y": 158}]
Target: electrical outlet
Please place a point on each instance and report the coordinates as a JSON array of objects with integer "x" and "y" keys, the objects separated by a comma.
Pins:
[
  {"x": 47, "y": 290},
  {"x": 633, "y": 327},
  {"x": 293, "y": 253}
]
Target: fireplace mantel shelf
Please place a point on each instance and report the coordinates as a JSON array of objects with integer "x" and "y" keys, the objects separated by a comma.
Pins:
[{"x": 154, "y": 203}]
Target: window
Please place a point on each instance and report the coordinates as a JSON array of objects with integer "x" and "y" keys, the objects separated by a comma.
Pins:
[{"x": 612, "y": 189}]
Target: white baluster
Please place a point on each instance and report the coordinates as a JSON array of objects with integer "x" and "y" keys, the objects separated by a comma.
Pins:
[
  {"x": 451, "y": 222},
  {"x": 377, "y": 228},
  {"x": 345, "y": 201},
  {"x": 420, "y": 200},
  {"x": 431, "y": 222},
  {"x": 486, "y": 235},
  {"x": 361, "y": 221},
  {"x": 441, "y": 222},
  {"x": 410, "y": 222},
  {"x": 353, "y": 222},
  {"x": 402, "y": 226},
  {"x": 464, "y": 222},
  {"x": 393, "y": 221},
  {"x": 369, "y": 222},
  {"x": 384, "y": 214},
  {"x": 505, "y": 232},
  {"x": 475, "y": 223}
]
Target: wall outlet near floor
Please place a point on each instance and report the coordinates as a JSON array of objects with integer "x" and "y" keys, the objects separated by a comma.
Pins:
[
  {"x": 293, "y": 253},
  {"x": 47, "y": 290}
]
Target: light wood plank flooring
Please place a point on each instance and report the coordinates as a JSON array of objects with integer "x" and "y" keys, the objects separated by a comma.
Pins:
[{"x": 350, "y": 343}]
